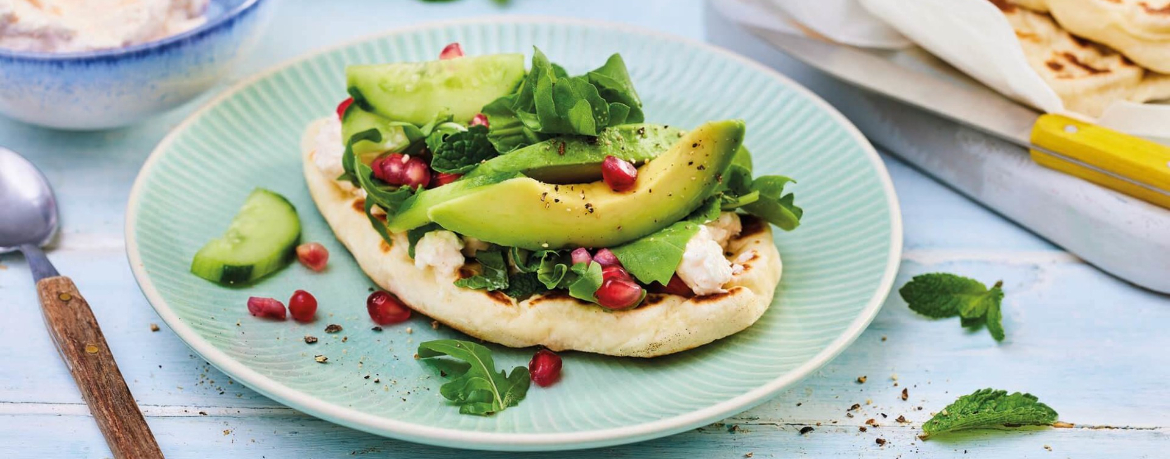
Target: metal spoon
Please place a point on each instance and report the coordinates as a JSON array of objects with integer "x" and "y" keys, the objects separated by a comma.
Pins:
[{"x": 28, "y": 220}]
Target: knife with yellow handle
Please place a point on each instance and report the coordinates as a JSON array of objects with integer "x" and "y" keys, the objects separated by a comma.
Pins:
[
  {"x": 1128, "y": 164},
  {"x": 1131, "y": 165}
]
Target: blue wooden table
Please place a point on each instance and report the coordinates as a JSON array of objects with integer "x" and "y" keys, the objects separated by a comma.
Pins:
[{"x": 1090, "y": 345}]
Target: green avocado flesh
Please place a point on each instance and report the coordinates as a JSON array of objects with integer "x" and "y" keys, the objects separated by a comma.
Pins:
[
  {"x": 526, "y": 213},
  {"x": 261, "y": 239},
  {"x": 416, "y": 92},
  {"x": 414, "y": 210},
  {"x": 394, "y": 135},
  {"x": 577, "y": 159}
]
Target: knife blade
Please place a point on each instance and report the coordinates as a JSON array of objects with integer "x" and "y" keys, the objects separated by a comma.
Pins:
[{"x": 1125, "y": 163}]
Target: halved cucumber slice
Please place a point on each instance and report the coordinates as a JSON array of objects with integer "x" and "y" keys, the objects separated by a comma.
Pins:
[{"x": 261, "y": 239}]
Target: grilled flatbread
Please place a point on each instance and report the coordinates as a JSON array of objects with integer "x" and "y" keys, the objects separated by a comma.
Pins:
[
  {"x": 1088, "y": 77},
  {"x": 1139, "y": 29},
  {"x": 663, "y": 324}
]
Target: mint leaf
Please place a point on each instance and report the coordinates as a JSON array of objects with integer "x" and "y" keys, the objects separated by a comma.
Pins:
[
  {"x": 523, "y": 285},
  {"x": 990, "y": 408},
  {"x": 942, "y": 295},
  {"x": 588, "y": 280},
  {"x": 493, "y": 275},
  {"x": 463, "y": 151},
  {"x": 656, "y": 257},
  {"x": 477, "y": 388}
]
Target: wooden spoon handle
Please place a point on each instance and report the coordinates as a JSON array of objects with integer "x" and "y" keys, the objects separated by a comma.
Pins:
[{"x": 82, "y": 346}]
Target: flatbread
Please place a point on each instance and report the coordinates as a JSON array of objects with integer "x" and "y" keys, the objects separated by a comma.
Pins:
[
  {"x": 1139, "y": 29},
  {"x": 1088, "y": 77},
  {"x": 663, "y": 324}
]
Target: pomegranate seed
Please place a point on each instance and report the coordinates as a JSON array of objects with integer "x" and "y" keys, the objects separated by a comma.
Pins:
[
  {"x": 266, "y": 307},
  {"x": 615, "y": 272},
  {"x": 385, "y": 309},
  {"x": 392, "y": 166},
  {"x": 443, "y": 178},
  {"x": 479, "y": 120},
  {"x": 451, "y": 51},
  {"x": 343, "y": 106},
  {"x": 606, "y": 258},
  {"x": 313, "y": 255},
  {"x": 676, "y": 286},
  {"x": 616, "y": 293},
  {"x": 545, "y": 368},
  {"x": 378, "y": 165},
  {"x": 302, "y": 306},
  {"x": 417, "y": 173},
  {"x": 581, "y": 255},
  {"x": 618, "y": 173}
]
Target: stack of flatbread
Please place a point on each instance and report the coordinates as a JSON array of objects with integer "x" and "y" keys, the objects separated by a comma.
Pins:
[{"x": 1096, "y": 52}]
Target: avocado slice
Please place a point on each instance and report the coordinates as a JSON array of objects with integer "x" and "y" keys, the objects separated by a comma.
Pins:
[
  {"x": 526, "y": 213},
  {"x": 577, "y": 159},
  {"x": 413, "y": 212},
  {"x": 415, "y": 92}
]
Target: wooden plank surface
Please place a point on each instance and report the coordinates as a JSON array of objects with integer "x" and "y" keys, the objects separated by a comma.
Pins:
[{"x": 1089, "y": 345}]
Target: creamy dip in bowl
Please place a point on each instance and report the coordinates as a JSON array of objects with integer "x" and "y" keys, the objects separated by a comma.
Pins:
[{"x": 96, "y": 64}]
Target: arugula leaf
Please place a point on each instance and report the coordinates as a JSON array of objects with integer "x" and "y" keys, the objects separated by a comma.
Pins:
[
  {"x": 476, "y": 388},
  {"x": 550, "y": 102},
  {"x": 414, "y": 235},
  {"x": 552, "y": 268},
  {"x": 523, "y": 285},
  {"x": 494, "y": 275},
  {"x": 388, "y": 198},
  {"x": 463, "y": 151},
  {"x": 773, "y": 205},
  {"x": 588, "y": 280},
  {"x": 347, "y": 158},
  {"x": 990, "y": 408},
  {"x": 656, "y": 257},
  {"x": 942, "y": 295},
  {"x": 614, "y": 85}
]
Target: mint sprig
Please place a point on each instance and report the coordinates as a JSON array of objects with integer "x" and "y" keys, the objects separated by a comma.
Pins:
[
  {"x": 986, "y": 408},
  {"x": 943, "y": 295},
  {"x": 475, "y": 385}
]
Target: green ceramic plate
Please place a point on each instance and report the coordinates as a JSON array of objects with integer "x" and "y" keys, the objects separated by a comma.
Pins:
[{"x": 838, "y": 266}]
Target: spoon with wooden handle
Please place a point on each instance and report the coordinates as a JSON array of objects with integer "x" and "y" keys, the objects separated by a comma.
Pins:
[{"x": 28, "y": 220}]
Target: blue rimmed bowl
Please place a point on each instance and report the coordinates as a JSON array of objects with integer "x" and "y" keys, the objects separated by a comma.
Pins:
[{"x": 116, "y": 87}]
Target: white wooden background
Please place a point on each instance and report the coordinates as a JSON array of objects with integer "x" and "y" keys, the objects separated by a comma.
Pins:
[{"x": 1093, "y": 347}]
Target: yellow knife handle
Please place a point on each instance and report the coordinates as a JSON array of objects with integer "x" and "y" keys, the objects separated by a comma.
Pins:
[{"x": 1116, "y": 153}]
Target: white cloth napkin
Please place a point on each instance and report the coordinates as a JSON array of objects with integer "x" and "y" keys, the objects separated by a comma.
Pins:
[{"x": 971, "y": 35}]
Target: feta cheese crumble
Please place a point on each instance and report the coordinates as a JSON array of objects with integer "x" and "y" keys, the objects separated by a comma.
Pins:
[
  {"x": 61, "y": 26},
  {"x": 329, "y": 149},
  {"x": 441, "y": 250},
  {"x": 704, "y": 268}
]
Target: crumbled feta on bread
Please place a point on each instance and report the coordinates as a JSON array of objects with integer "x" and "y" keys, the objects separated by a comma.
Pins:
[
  {"x": 704, "y": 268},
  {"x": 725, "y": 227},
  {"x": 441, "y": 250}
]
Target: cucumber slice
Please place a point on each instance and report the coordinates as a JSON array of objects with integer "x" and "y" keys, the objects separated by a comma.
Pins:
[
  {"x": 396, "y": 135},
  {"x": 415, "y": 92},
  {"x": 261, "y": 239}
]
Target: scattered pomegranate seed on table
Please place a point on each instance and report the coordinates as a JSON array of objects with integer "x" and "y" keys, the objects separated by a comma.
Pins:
[
  {"x": 581, "y": 255},
  {"x": 451, "y": 51},
  {"x": 302, "y": 306},
  {"x": 605, "y": 258},
  {"x": 385, "y": 309},
  {"x": 545, "y": 368},
  {"x": 618, "y": 293},
  {"x": 313, "y": 255},
  {"x": 343, "y": 106},
  {"x": 479, "y": 120},
  {"x": 618, "y": 173},
  {"x": 266, "y": 307}
]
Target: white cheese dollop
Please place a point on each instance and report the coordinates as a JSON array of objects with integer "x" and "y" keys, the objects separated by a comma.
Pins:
[
  {"x": 59, "y": 26},
  {"x": 328, "y": 148},
  {"x": 725, "y": 227},
  {"x": 704, "y": 268},
  {"x": 440, "y": 249}
]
